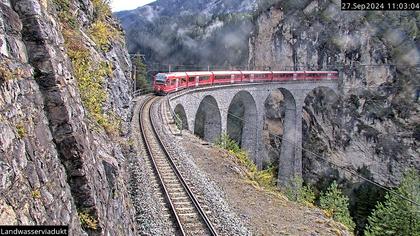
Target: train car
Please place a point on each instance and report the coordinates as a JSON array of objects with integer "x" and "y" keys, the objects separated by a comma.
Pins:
[
  {"x": 159, "y": 83},
  {"x": 164, "y": 83},
  {"x": 200, "y": 78}
]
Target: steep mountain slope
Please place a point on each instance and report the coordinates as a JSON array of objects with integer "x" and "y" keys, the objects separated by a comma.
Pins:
[
  {"x": 65, "y": 103},
  {"x": 190, "y": 32}
]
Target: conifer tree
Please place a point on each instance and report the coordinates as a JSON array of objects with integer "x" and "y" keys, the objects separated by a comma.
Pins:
[
  {"x": 396, "y": 216},
  {"x": 141, "y": 74},
  {"x": 335, "y": 203}
]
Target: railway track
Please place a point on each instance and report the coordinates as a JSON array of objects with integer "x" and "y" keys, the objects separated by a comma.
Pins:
[{"x": 182, "y": 206}]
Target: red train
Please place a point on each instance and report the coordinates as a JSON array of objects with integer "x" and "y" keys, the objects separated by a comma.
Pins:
[{"x": 164, "y": 83}]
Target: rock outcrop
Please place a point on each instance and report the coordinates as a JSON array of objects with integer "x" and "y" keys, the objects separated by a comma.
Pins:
[{"x": 61, "y": 161}]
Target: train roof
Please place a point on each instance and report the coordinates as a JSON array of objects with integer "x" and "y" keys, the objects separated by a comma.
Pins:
[
  {"x": 255, "y": 72},
  {"x": 177, "y": 74},
  {"x": 204, "y": 73},
  {"x": 234, "y": 72},
  {"x": 321, "y": 72},
  {"x": 198, "y": 73}
]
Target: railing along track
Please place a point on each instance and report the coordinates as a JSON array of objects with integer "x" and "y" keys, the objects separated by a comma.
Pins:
[{"x": 187, "y": 213}]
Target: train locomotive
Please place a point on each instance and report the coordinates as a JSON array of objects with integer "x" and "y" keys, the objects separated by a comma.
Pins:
[{"x": 164, "y": 83}]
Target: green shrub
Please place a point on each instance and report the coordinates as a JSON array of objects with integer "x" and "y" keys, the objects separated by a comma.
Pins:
[
  {"x": 300, "y": 193},
  {"x": 102, "y": 9},
  {"x": 178, "y": 121},
  {"x": 102, "y": 31},
  {"x": 225, "y": 142},
  {"x": 336, "y": 204},
  {"x": 141, "y": 74},
  {"x": 306, "y": 195},
  {"x": 103, "y": 34}
]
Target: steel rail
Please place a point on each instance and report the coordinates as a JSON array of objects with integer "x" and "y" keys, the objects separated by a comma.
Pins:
[
  {"x": 184, "y": 184},
  {"x": 149, "y": 151},
  {"x": 193, "y": 199}
]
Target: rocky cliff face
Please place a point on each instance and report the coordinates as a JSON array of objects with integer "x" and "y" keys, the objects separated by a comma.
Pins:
[
  {"x": 372, "y": 125},
  {"x": 65, "y": 103}
]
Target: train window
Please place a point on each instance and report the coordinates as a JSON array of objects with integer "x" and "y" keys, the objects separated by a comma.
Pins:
[
  {"x": 160, "y": 78},
  {"x": 173, "y": 81},
  {"x": 263, "y": 76},
  {"x": 218, "y": 77},
  {"x": 202, "y": 78},
  {"x": 247, "y": 76},
  {"x": 183, "y": 80},
  {"x": 192, "y": 79}
]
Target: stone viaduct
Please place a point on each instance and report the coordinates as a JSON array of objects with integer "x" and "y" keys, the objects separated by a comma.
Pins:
[{"x": 212, "y": 105}]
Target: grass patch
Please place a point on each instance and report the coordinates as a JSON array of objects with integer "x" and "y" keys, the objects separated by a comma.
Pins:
[
  {"x": 12, "y": 71},
  {"x": 36, "y": 194},
  {"x": 303, "y": 194},
  {"x": 91, "y": 80},
  {"x": 87, "y": 221},
  {"x": 5, "y": 73},
  {"x": 262, "y": 178},
  {"x": 21, "y": 130}
]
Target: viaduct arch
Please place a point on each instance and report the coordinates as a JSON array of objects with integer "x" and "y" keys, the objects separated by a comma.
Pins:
[{"x": 214, "y": 107}]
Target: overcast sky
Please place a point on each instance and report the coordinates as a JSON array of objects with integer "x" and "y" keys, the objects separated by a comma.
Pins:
[{"x": 120, "y": 5}]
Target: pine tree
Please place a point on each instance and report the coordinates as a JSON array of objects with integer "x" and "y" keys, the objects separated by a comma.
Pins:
[
  {"x": 397, "y": 216},
  {"x": 141, "y": 74},
  {"x": 334, "y": 202}
]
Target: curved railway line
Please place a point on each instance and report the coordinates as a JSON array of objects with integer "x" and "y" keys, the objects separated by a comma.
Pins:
[{"x": 187, "y": 215}]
